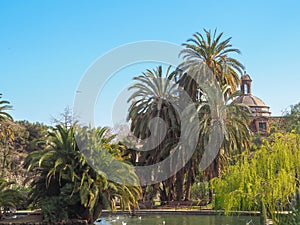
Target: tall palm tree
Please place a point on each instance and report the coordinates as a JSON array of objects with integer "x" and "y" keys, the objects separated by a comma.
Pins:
[
  {"x": 155, "y": 96},
  {"x": 214, "y": 53},
  {"x": 62, "y": 172}
]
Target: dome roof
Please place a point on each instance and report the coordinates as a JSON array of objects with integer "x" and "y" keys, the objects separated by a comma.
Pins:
[
  {"x": 251, "y": 101},
  {"x": 257, "y": 106}
]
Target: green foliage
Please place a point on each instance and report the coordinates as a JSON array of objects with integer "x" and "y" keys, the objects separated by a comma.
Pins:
[
  {"x": 9, "y": 197},
  {"x": 62, "y": 172},
  {"x": 32, "y": 136},
  {"x": 211, "y": 50},
  {"x": 215, "y": 52},
  {"x": 263, "y": 213},
  {"x": 157, "y": 95},
  {"x": 17, "y": 138},
  {"x": 293, "y": 216},
  {"x": 268, "y": 175},
  {"x": 291, "y": 120},
  {"x": 12, "y": 152},
  {"x": 257, "y": 141},
  {"x": 54, "y": 209},
  {"x": 200, "y": 190}
]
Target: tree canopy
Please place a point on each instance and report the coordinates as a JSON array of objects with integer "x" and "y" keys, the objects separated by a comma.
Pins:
[{"x": 269, "y": 176}]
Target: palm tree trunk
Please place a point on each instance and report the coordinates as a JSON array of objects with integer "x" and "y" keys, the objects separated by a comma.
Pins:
[
  {"x": 189, "y": 183},
  {"x": 179, "y": 184},
  {"x": 97, "y": 210}
]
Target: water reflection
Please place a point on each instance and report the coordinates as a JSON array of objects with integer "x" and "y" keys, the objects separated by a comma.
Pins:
[{"x": 177, "y": 220}]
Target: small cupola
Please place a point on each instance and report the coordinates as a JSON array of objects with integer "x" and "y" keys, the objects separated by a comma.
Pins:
[{"x": 246, "y": 83}]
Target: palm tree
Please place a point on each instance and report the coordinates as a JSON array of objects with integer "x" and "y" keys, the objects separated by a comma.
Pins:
[
  {"x": 8, "y": 197},
  {"x": 214, "y": 52},
  {"x": 155, "y": 96},
  {"x": 154, "y": 92},
  {"x": 62, "y": 174},
  {"x": 236, "y": 134},
  {"x": 6, "y": 132},
  {"x": 211, "y": 51},
  {"x": 4, "y": 106}
]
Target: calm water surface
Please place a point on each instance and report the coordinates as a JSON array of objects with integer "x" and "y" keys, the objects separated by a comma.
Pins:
[{"x": 179, "y": 220}]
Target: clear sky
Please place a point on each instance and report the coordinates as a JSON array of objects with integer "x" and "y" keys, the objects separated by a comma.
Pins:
[{"x": 46, "y": 46}]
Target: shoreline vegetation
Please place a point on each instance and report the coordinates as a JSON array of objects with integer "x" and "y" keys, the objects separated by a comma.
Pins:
[{"x": 74, "y": 174}]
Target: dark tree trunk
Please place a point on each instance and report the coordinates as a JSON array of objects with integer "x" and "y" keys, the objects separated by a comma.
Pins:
[
  {"x": 179, "y": 184},
  {"x": 189, "y": 183},
  {"x": 97, "y": 210},
  {"x": 163, "y": 193}
]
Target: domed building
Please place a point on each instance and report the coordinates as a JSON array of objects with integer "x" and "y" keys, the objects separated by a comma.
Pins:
[{"x": 260, "y": 111}]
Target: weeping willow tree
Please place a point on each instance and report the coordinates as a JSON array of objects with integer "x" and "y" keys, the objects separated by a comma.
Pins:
[{"x": 266, "y": 177}]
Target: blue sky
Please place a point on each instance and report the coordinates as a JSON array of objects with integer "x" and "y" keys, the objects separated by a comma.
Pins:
[{"x": 46, "y": 46}]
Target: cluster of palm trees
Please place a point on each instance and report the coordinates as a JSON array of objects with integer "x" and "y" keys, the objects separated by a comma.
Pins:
[
  {"x": 158, "y": 95},
  {"x": 63, "y": 181},
  {"x": 67, "y": 181}
]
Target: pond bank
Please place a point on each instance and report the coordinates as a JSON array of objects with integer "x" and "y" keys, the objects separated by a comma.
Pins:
[{"x": 183, "y": 212}]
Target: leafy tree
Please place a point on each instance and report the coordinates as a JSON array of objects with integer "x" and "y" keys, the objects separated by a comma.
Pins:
[
  {"x": 293, "y": 216},
  {"x": 11, "y": 154},
  {"x": 291, "y": 119},
  {"x": 268, "y": 176},
  {"x": 32, "y": 136},
  {"x": 62, "y": 174},
  {"x": 288, "y": 122}
]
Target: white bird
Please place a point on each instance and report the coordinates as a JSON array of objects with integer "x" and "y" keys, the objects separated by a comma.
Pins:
[
  {"x": 164, "y": 222},
  {"x": 123, "y": 223},
  {"x": 140, "y": 217},
  {"x": 118, "y": 217},
  {"x": 250, "y": 221}
]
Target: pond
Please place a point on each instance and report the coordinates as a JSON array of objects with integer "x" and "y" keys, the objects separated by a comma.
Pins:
[{"x": 169, "y": 219}]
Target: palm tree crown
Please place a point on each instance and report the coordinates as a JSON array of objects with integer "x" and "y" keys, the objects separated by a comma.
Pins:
[
  {"x": 4, "y": 106},
  {"x": 214, "y": 52}
]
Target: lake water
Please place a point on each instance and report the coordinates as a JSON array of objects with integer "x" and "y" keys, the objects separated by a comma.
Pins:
[{"x": 179, "y": 220}]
